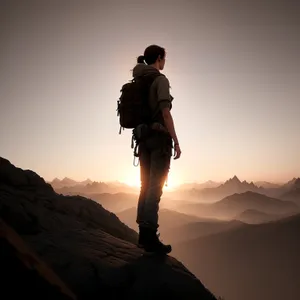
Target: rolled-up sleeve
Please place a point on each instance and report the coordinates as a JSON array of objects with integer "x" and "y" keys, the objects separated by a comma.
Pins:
[{"x": 163, "y": 92}]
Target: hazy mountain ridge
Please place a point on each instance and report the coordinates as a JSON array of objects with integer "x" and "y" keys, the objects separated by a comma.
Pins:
[
  {"x": 209, "y": 191},
  {"x": 176, "y": 227},
  {"x": 249, "y": 261},
  {"x": 168, "y": 219},
  {"x": 87, "y": 187},
  {"x": 233, "y": 186},
  {"x": 251, "y": 200},
  {"x": 212, "y": 194},
  {"x": 194, "y": 230},
  {"x": 267, "y": 185},
  {"x": 293, "y": 195},
  {"x": 115, "y": 202},
  {"x": 232, "y": 205},
  {"x": 293, "y": 192},
  {"x": 294, "y": 183},
  {"x": 253, "y": 216},
  {"x": 198, "y": 186}
]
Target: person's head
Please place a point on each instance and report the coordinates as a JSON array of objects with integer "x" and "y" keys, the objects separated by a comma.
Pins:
[{"x": 153, "y": 55}]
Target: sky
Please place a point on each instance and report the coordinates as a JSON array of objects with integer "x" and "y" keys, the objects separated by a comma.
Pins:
[{"x": 234, "y": 71}]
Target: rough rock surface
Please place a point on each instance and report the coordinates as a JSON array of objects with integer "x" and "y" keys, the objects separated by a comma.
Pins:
[
  {"x": 23, "y": 273},
  {"x": 88, "y": 247}
]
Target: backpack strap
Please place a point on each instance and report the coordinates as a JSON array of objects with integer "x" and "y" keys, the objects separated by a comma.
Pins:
[{"x": 150, "y": 78}]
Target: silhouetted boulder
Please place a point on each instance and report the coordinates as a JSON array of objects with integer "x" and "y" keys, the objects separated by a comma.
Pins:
[{"x": 89, "y": 248}]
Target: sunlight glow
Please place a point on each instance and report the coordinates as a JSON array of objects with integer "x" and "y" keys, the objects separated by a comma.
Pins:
[{"x": 133, "y": 179}]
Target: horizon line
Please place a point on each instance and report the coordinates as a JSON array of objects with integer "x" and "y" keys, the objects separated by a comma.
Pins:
[{"x": 175, "y": 185}]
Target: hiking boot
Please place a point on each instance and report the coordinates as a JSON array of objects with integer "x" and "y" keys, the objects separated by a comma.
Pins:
[
  {"x": 142, "y": 236},
  {"x": 151, "y": 242}
]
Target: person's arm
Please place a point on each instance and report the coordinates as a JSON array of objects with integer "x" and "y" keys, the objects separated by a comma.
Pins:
[
  {"x": 164, "y": 100},
  {"x": 169, "y": 123}
]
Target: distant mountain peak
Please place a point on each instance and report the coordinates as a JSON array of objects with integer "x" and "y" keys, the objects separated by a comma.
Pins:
[
  {"x": 55, "y": 180},
  {"x": 209, "y": 181},
  {"x": 87, "y": 181},
  {"x": 67, "y": 179},
  {"x": 234, "y": 180},
  {"x": 297, "y": 181},
  {"x": 291, "y": 182}
]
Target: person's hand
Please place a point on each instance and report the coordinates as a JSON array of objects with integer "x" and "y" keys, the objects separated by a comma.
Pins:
[{"x": 177, "y": 153}]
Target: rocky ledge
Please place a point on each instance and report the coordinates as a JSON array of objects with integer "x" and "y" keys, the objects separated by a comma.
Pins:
[{"x": 92, "y": 253}]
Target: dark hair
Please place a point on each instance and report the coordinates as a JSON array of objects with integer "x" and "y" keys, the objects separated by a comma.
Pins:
[
  {"x": 141, "y": 59},
  {"x": 151, "y": 54}
]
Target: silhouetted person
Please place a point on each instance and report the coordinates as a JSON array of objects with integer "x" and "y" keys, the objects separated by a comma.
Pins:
[{"x": 155, "y": 149}]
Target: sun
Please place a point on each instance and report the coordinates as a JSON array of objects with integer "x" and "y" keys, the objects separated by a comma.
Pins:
[
  {"x": 133, "y": 179},
  {"x": 170, "y": 183}
]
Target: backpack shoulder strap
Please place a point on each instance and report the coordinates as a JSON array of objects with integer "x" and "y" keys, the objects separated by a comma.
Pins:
[{"x": 149, "y": 79}]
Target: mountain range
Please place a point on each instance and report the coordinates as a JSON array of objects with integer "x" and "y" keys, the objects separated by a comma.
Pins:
[
  {"x": 68, "y": 182},
  {"x": 292, "y": 192},
  {"x": 254, "y": 216},
  {"x": 206, "y": 192},
  {"x": 234, "y": 185},
  {"x": 69, "y": 186},
  {"x": 233, "y": 205}
]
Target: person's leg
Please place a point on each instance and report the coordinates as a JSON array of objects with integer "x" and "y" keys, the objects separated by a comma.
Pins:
[
  {"x": 159, "y": 168},
  {"x": 144, "y": 158}
]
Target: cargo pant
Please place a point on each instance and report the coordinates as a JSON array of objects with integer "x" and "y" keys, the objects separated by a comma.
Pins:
[{"x": 154, "y": 154}]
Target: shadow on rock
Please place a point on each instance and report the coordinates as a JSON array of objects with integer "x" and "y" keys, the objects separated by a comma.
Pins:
[{"x": 156, "y": 277}]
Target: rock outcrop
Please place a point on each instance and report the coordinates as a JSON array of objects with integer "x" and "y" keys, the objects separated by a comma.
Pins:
[{"x": 88, "y": 247}]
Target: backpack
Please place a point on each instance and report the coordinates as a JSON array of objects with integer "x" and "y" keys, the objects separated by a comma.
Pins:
[{"x": 133, "y": 106}]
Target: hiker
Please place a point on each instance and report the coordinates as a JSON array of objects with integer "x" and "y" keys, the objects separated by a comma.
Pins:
[{"x": 155, "y": 147}]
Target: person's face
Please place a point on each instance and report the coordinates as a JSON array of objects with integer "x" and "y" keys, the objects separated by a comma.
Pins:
[{"x": 162, "y": 63}]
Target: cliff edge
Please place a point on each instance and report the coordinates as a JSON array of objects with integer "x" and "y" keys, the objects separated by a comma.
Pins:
[{"x": 89, "y": 249}]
